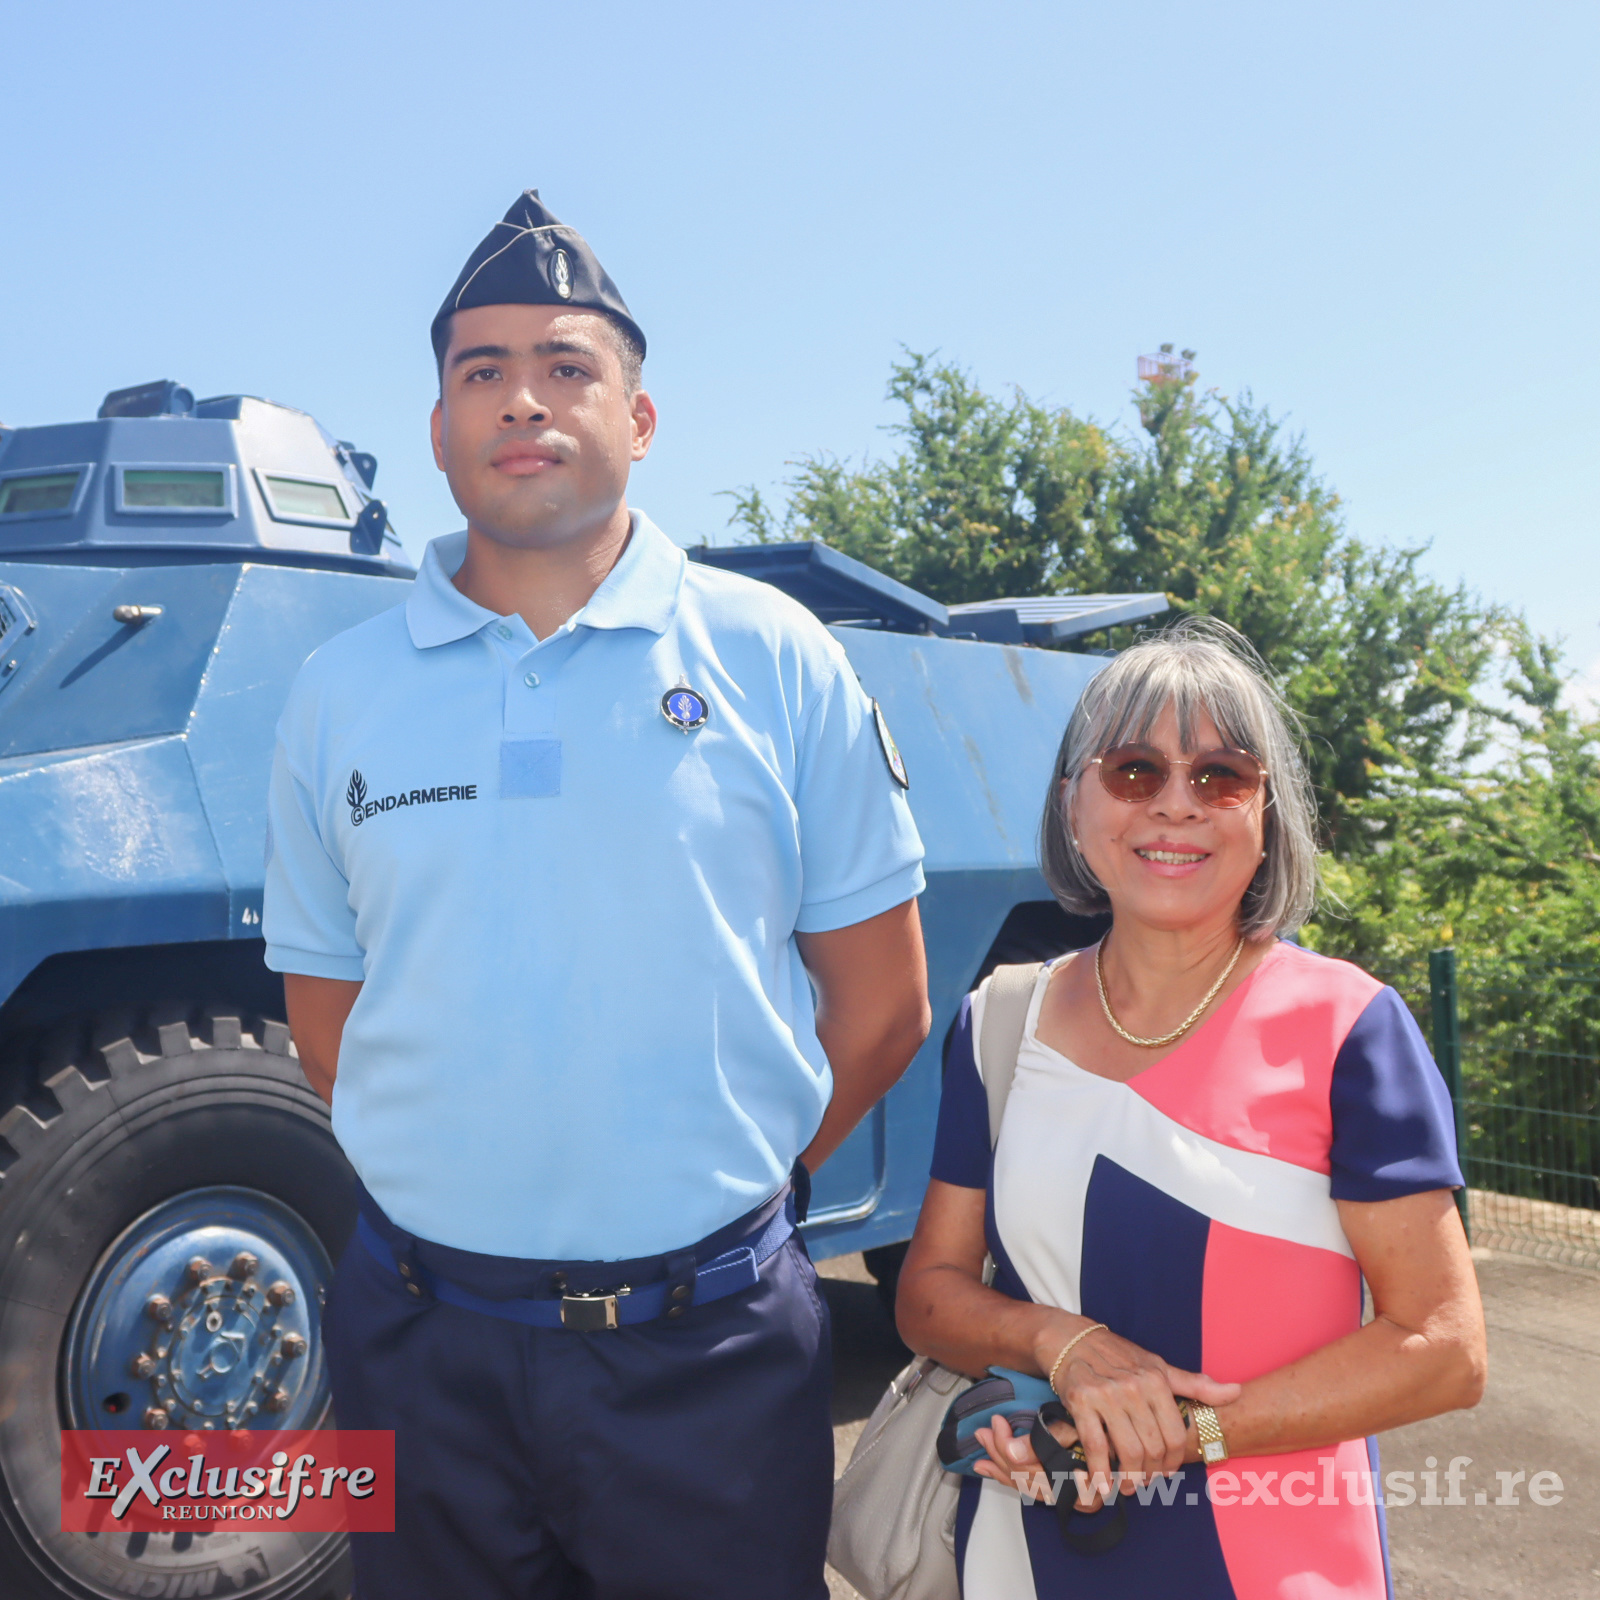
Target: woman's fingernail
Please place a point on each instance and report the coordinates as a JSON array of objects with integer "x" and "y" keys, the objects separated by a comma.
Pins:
[{"x": 1017, "y": 1449}]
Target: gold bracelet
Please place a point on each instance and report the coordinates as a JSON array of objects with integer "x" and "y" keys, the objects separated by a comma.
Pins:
[{"x": 1066, "y": 1349}]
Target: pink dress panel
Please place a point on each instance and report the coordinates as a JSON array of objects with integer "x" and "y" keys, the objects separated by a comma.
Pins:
[{"x": 1279, "y": 1033}]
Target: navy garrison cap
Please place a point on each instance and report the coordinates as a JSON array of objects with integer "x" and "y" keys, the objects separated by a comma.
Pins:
[{"x": 530, "y": 259}]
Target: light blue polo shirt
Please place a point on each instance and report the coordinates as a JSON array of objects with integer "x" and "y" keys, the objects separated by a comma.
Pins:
[{"x": 585, "y": 1031}]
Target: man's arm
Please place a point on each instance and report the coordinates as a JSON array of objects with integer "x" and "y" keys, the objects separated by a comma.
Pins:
[
  {"x": 872, "y": 1014},
  {"x": 318, "y": 1011}
]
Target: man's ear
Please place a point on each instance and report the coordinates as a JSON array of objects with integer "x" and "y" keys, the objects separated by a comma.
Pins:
[
  {"x": 436, "y": 428},
  {"x": 643, "y": 417}
]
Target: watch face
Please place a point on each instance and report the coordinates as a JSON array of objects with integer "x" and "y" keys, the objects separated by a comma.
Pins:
[{"x": 1213, "y": 1451}]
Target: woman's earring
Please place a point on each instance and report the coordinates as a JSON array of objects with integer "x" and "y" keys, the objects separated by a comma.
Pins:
[{"x": 1078, "y": 847}]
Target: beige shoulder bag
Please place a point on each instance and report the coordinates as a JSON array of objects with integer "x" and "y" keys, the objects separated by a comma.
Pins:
[{"x": 894, "y": 1508}]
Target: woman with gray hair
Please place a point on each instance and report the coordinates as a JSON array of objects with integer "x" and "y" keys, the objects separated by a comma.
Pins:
[{"x": 1211, "y": 1137}]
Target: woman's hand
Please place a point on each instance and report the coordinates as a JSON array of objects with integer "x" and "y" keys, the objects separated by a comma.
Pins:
[
  {"x": 1012, "y": 1462},
  {"x": 1011, "y": 1458},
  {"x": 1122, "y": 1402}
]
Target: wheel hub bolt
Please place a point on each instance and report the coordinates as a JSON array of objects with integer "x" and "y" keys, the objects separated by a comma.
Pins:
[
  {"x": 244, "y": 1265},
  {"x": 158, "y": 1308},
  {"x": 199, "y": 1269},
  {"x": 142, "y": 1365},
  {"x": 280, "y": 1294},
  {"x": 276, "y": 1400},
  {"x": 293, "y": 1346},
  {"x": 155, "y": 1417}
]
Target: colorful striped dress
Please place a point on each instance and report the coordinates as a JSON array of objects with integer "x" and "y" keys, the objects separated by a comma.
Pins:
[{"x": 1191, "y": 1209}]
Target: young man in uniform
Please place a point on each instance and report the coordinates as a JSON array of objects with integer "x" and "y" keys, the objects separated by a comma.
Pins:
[{"x": 559, "y": 850}]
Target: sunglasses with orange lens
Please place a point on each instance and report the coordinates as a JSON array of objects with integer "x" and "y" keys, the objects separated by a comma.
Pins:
[{"x": 1223, "y": 779}]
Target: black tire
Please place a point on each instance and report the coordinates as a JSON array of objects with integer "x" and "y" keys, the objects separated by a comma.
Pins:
[{"x": 190, "y": 1103}]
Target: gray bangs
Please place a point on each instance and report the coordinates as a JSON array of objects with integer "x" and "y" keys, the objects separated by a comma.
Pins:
[{"x": 1198, "y": 667}]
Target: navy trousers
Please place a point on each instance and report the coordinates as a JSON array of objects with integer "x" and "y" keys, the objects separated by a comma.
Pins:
[{"x": 682, "y": 1459}]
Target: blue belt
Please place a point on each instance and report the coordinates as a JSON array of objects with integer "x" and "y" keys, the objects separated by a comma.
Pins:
[{"x": 733, "y": 1270}]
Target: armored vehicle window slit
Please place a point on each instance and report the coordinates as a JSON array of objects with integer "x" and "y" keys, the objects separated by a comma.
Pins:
[
  {"x": 37, "y": 492},
  {"x": 303, "y": 499},
  {"x": 172, "y": 489},
  {"x": 182, "y": 489}
]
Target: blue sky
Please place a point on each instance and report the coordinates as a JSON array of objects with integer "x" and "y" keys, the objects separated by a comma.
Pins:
[{"x": 1381, "y": 219}]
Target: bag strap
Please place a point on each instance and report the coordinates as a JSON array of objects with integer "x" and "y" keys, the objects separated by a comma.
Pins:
[
  {"x": 1005, "y": 1018},
  {"x": 1088, "y": 1533}
]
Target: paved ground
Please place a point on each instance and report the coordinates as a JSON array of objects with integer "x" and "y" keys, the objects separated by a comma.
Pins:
[{"x": 1541, "y": 1414}]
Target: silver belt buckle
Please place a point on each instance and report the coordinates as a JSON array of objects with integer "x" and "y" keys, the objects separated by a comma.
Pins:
[{"x": 591, "y": 1313}]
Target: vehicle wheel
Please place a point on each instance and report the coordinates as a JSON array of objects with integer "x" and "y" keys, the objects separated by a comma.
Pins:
[{"x": 186, "y": 1159}]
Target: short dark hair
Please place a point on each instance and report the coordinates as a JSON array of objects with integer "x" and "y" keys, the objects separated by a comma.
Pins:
[{"x": 630, "y": 353}]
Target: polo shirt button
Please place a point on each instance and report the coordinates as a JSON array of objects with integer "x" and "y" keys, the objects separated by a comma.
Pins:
[
  {"x": 531, "y": 679},
  {"x": 674, "y": 1311},
  {"x": 680, "y": 1291},
  {"x": 413, "y": 1288},
  {"x": 503, "y": 631}
]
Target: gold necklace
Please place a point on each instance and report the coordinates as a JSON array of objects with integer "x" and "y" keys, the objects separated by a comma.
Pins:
[{"x": 1184, "y": 1026}]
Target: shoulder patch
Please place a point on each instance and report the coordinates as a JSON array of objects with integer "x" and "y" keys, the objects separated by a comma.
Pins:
[{"x": 891, "y": 751}]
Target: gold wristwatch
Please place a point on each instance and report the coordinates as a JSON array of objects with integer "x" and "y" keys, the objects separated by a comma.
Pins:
[{"x": 1213, "y": 1447}]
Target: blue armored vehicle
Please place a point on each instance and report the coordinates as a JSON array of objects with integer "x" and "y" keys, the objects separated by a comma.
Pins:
[{"x": 171, "y": 1197}]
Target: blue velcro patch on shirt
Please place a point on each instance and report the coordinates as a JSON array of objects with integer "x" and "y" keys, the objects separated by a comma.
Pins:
[{"x": 530, "y": 769}]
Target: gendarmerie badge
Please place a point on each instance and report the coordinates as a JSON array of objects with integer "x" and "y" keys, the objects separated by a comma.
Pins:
[
  {"x": 891, "y": 751},
  {"x": 685, "y": 708}
]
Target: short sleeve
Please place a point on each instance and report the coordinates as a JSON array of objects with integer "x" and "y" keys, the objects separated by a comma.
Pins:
[
  {"x": 961, "y": 1142},
  {"x": 859, "y": 850},
  {"x": 1394, "y": 1130},
  {"x": 306, "y": 915}
]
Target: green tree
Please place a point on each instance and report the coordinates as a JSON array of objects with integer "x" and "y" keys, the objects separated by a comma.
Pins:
[
  {"x": 1495, "y": 850},
  {"x": 1208, "y": 502},
  {"x": 987, "y": 498}
]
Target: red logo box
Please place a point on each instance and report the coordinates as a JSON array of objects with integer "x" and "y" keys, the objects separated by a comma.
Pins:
[{"x": 303, "y": 1481}]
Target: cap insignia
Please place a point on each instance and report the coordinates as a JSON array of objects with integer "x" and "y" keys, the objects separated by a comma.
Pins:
[{"x": 561, "y": 274}]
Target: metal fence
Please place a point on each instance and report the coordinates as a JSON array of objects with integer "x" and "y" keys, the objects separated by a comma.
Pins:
[{"x": 1519, "y": 1047}]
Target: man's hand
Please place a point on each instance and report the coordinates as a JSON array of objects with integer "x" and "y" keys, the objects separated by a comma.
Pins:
[
  {"x": 318, "y": 1011},
  {"x": 872, "y": 1014}
]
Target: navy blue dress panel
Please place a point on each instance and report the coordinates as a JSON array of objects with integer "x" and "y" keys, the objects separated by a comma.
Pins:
[
  {"x": 1383, "y": 1517},
  {"x": 1171, "y": 1544},
  {"x": 1167, "y": 1550},
  {"x": 1394, "y": 1129},
  {"x": 961, "y": 1140},
  {"x": 966, "y": 1512},
  {"x": 1006, "y": 1277},
  {"x": 961, "y": 1152},
  {"x": 1158, "y": 1307}
]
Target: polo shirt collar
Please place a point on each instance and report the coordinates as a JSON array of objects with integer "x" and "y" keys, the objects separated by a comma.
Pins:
[{"x": 641, "y": 591}]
